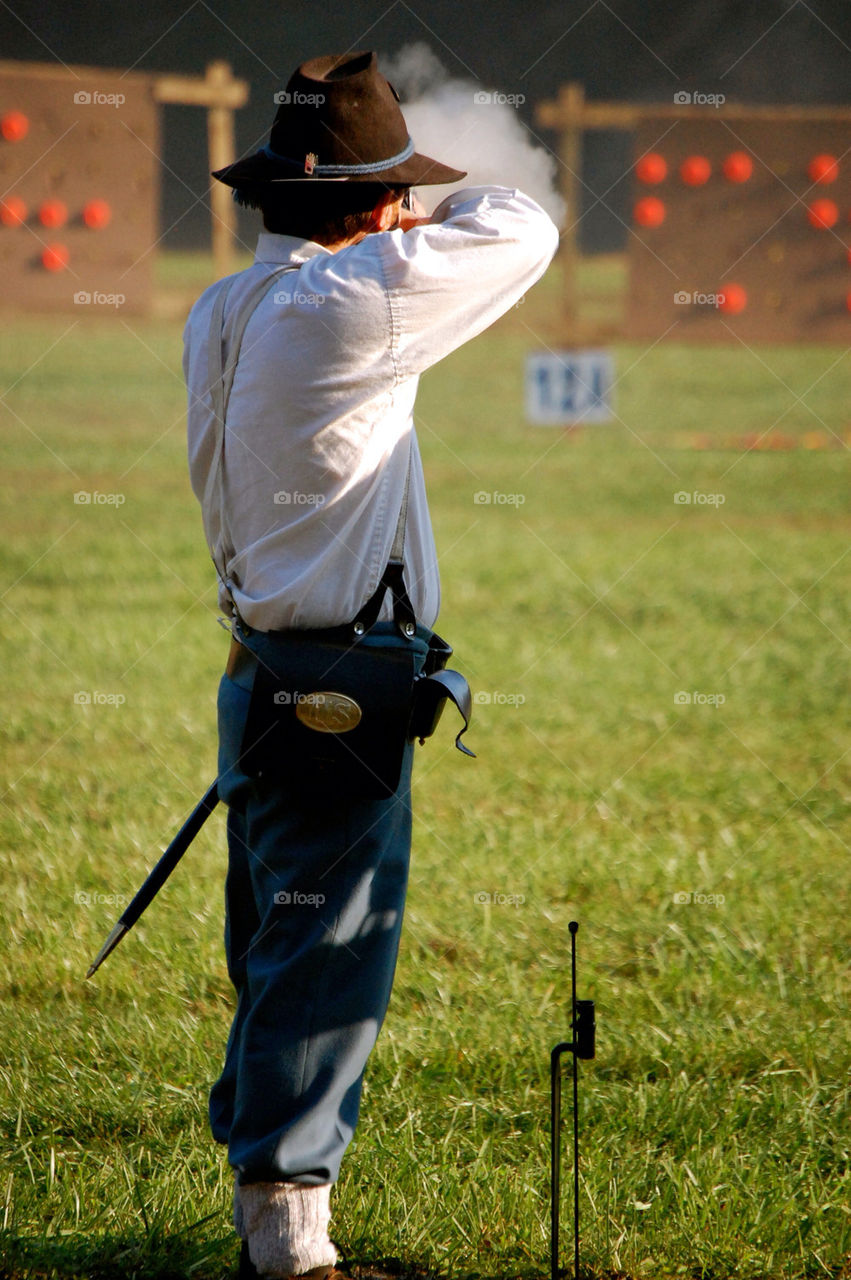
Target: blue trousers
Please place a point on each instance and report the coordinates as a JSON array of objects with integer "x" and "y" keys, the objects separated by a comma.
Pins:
[{"x": 315, "y": 895}]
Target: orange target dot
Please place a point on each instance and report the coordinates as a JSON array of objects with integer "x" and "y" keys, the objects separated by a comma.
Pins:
[
  {"x": 53, "y": 214},
  {"x": 97, "y": 214},
  {"x": 651, "y": 168},
  {"x": 695, "y": 170},
  {"x": 823, "y": 214},
  {"x": 737, "y": 166},
  {"x": 848, "y": 301},
  {"x": 823, "y": 168},
  {"x": 14, "y": 126},
  {"x": 55, "y": 257},
  {"x": 649, "y": 212},
  {"x": 13, "y": 211},
  {"x": 732, "y": 299}
]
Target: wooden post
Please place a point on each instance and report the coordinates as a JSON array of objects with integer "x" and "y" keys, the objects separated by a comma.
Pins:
[
  {"x": 572, "y": 103},
  {"x": 221, "y": 94},
  {"x": 567, "y": 115},
  {"x": 221, "y": 149}
]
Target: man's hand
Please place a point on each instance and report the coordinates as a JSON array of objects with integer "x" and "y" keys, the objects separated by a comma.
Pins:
[
  {"x": 413, "y": 216},
  {"x": 390, "y": 215}
]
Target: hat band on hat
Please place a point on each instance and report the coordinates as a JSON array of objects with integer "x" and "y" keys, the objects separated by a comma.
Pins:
[{"x": 334, "y": 170}]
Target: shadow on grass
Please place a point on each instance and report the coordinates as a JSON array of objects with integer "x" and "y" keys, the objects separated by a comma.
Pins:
[
  {"x": 159, "y": 1257},
  {"x": 143, "y": 1257}
]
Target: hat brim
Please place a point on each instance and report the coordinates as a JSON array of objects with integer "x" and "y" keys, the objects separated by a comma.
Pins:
[{"x": 260, "y": 169}]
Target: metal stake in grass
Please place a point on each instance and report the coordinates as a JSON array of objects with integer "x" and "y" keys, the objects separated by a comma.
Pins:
[
  {"x": 160, "y": 873},
  {"x": 582, "y": 1045}
]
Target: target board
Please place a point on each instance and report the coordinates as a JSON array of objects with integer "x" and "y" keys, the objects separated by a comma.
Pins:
[
  {"x": 79, "y": 163},
  {"x": 741, "y": 231}
]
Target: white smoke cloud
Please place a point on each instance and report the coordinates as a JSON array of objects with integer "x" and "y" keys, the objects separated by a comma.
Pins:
[{"x": 470, "y": 126}]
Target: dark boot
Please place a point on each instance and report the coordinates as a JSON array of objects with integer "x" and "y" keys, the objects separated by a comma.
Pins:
[{"x": 248, "y": 1271}]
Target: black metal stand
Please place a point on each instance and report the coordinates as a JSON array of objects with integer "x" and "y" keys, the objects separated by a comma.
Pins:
[{"x": 582, "y": 1045}]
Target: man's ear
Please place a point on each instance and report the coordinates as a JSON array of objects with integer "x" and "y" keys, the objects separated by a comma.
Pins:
[{"x": 385, "y": 215}]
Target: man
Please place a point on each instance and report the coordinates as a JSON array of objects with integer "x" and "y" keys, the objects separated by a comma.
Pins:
[{"x": 302, "y": 372}]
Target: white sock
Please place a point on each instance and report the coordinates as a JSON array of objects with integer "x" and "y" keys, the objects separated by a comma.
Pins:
[{"x": 286, "y": 1225}]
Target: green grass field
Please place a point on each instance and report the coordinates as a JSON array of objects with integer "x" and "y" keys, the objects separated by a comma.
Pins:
[{"x": 715, "y": 1119}]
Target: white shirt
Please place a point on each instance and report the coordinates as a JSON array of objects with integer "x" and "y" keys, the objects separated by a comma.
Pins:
[{"x": 319, "y": 423}]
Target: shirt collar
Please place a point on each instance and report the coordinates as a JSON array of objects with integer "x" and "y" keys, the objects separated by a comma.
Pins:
[{"x": 275, "y": 248}]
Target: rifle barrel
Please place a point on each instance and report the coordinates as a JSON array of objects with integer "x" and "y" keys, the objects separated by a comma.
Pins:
[{"x": 160, "y": 873}]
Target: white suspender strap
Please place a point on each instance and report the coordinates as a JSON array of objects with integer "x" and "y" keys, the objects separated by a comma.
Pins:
[
  {"x": 397, "y": 551},
  {"x": 220, "y": 375}
]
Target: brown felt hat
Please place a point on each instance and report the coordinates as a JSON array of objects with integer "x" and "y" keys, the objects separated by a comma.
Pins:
[{"x": 339, "y": 120}]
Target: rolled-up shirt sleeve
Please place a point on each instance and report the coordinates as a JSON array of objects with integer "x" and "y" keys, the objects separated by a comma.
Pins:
[{"x": 449, "y": 279}]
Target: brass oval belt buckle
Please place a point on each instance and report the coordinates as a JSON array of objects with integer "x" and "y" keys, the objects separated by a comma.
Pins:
[{"x": 328, "y": 712}]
